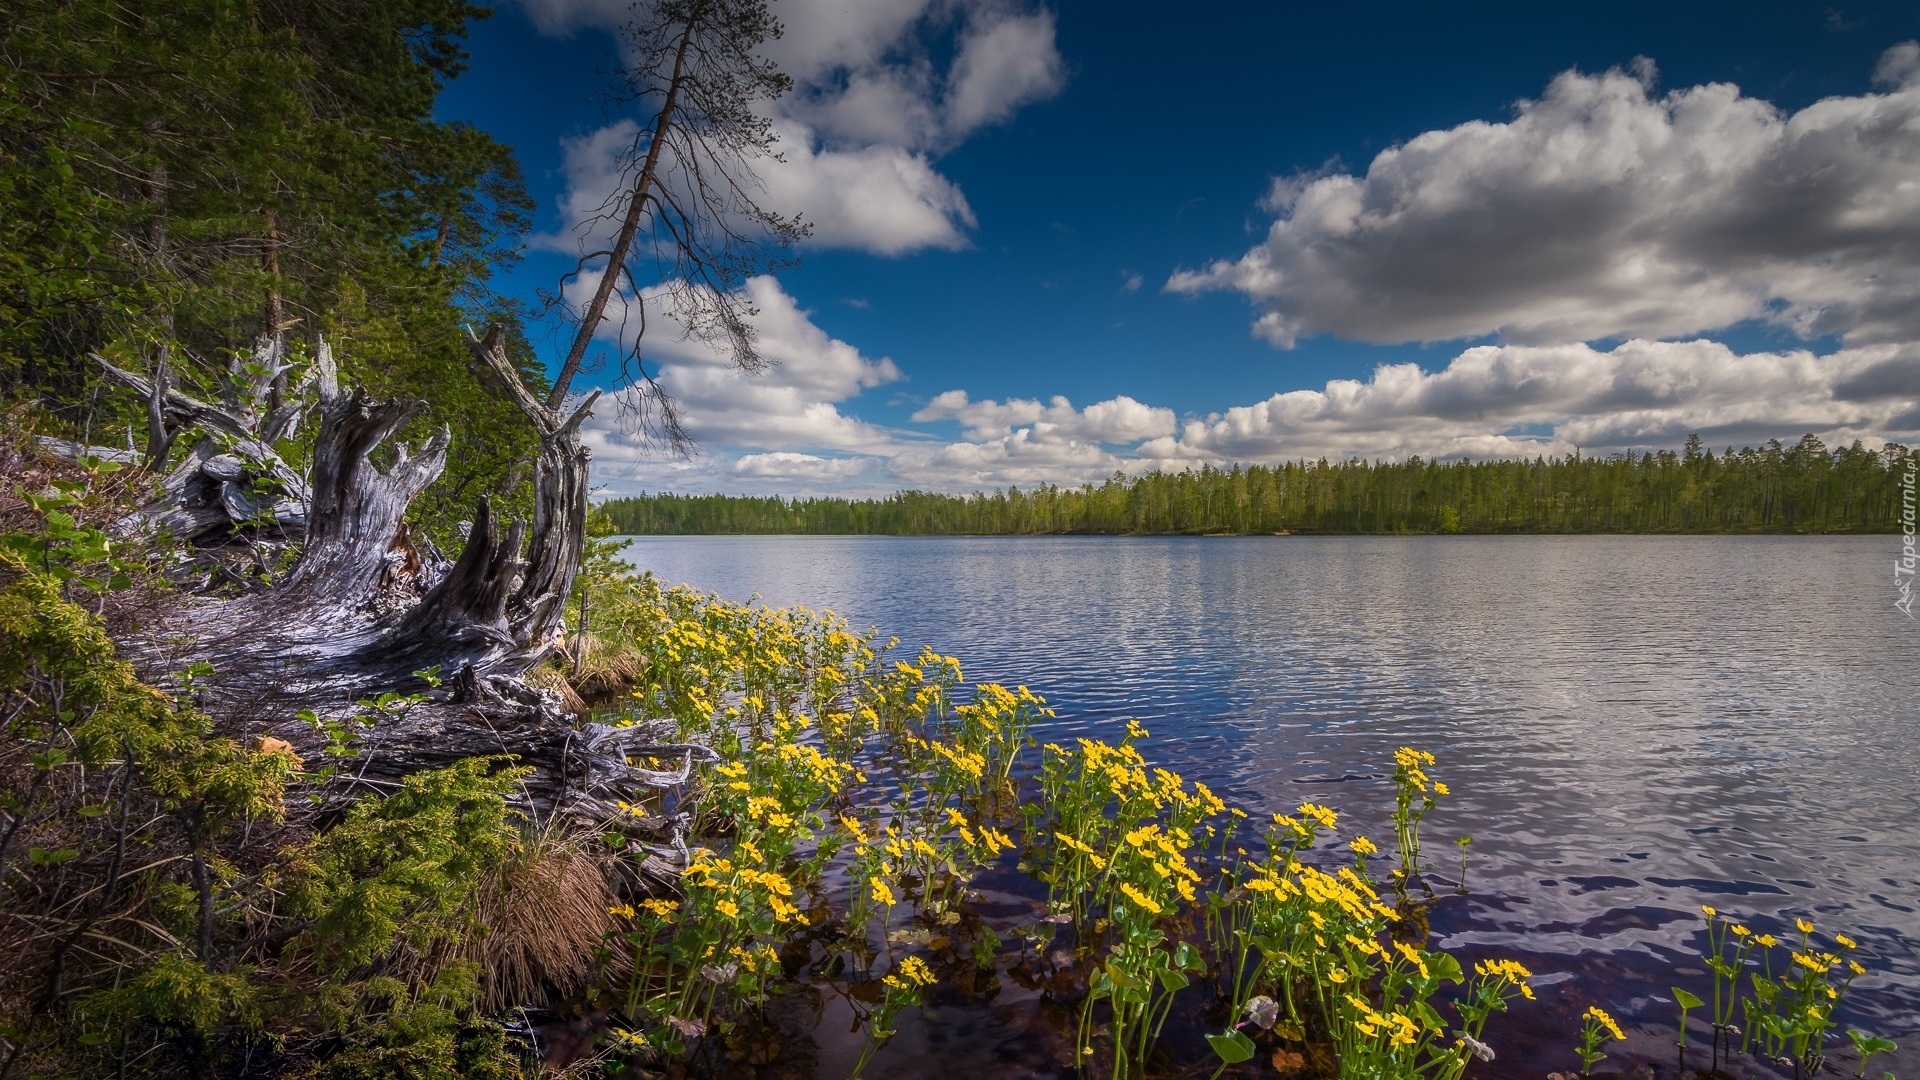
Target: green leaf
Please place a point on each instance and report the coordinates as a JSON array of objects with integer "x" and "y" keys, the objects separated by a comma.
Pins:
[
  {"x": 1172, "y": 981},
  {"x": 1686, "y": 1000},
  {"x": 1869, "y": 1045},
  {"x": 1187, "y": 958},
  {"x": 1233, "y": 1047}
]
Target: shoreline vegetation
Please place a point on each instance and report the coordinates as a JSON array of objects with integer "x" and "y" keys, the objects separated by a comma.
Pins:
[{"x": 1803, "y": 488}]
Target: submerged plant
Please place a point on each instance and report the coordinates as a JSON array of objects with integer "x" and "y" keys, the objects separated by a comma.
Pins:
[
  {"x": 1596, "y": 1030},
  {"x": 1786, "y": 1005},
  {"x": 1687, "y": 1002},
  {"x": 1867, "y": 1046},
  {"x": 902, "y": 988}
]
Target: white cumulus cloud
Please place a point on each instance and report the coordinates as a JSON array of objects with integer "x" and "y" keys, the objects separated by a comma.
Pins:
[
  {"x": 1027, "y": 456},
  {"x": 883, "y": 199},
  {"x": 793, "y": 406},
  {"x": 1116, "y": 420},
  {"x": 807, "y": 468},
  {"x": 1603, "y": 209},
  {"x": 1004, "y": 63}
]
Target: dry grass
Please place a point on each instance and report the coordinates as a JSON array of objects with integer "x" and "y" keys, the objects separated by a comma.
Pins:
[
  {"x": 598, "y": 672},
  {"x": 549, "y": 676},
  {"x": 543, "y": 915},
  {"x": 606, "y": 672}
]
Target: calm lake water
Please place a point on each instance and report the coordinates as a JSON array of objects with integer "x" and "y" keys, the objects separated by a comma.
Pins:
[{"x": 1632, "y": 726}]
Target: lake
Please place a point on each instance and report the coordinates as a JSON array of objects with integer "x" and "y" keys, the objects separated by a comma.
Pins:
[{"x": 1632, "y": 725}]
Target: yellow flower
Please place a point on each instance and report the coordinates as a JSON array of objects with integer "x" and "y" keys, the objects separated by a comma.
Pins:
[
  {"x": 1811, "y": 963},
  {"x": 1710, "y": 912},
  {"x": 1845, "y": 941},
  {"x": 882, "y": 892},
  {"x": 1363, "y": 846},
  {"x": 1803, "y": 926},
  {"x": 728, "y": 908},
  {"x": 1073, "y": 842},
  {"x": 1324, "y": 815},
  {"x": 1598, "y": 1014},
  {"x": 624, "y": 911},
  {"x": 1766, "y": 941},
  {"x": 1413, "y": 957},
  {"x": 1440, "y": 788},
  {"x": 1740, "y": 931},
  {"x": 1146, "y": 902}
]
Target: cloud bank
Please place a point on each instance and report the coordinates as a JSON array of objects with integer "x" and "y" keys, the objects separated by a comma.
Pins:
[
  {"x": 790, "y": 431},
  {"x": 1522, "y": 400}
]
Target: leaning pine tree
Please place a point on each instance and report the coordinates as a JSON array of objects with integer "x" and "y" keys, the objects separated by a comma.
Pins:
[{"x": 686, "y": 225}]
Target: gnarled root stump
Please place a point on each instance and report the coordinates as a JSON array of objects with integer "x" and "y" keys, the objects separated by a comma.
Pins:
[{"x": 364, "y": 610}]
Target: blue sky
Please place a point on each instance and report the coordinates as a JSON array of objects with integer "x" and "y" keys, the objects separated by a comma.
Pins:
[{"x": 1052, "y": 241}]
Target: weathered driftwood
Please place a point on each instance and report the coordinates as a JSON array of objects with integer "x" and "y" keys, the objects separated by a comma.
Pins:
[
  {"x": 364, "y": 610},
  {"x": 232, "y": 479}
]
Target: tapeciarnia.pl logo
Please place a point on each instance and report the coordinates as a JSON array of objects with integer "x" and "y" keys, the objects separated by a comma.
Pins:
[{"x": 1903, "y": 567}]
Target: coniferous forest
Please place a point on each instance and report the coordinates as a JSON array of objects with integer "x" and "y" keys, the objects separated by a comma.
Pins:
[
  {"x": 1804, "y": 488},
  {"x": 177, "y": 180}
]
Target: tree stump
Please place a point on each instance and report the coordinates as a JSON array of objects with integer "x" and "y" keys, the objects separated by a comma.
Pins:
[{"x": 363, "y": 611}]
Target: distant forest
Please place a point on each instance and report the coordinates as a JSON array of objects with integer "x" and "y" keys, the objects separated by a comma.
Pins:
[{"x": 1774, "y": 489}]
